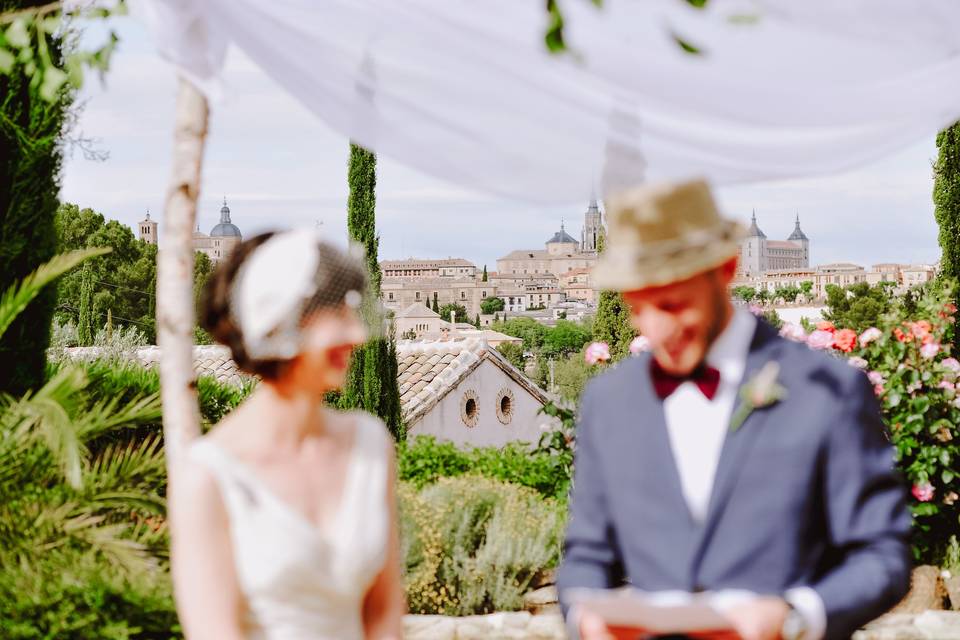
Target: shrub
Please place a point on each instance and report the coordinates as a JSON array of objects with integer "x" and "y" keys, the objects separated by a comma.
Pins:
[
  {"x": 77, "y": 598},
  {"x": 908, "y": 360},
  {"x": 423, "y": 460},
  {"x": 473, "y": 545}
]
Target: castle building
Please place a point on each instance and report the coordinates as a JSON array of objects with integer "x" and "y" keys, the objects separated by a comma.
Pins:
[
  {"x": 758, "y": 254},
  {"x": 217, "y": 245}
]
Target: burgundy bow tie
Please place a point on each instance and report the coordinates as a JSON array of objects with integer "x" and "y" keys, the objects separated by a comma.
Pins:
[{"x": 706, "y": 378}]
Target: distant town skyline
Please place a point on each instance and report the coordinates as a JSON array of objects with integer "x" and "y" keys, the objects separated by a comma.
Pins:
[{"x": 279, "y": 166}]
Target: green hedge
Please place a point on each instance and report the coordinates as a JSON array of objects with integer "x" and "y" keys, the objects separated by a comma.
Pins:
[
  {"x": 423, "y": 461},
  {"x": 85, "y": 599}
]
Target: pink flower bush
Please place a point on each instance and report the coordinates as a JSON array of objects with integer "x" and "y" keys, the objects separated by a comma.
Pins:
[
  {"x": 639, "y": 344},
  {"x": 930, "y": 350},
  {"x": 794, "y": 332},
  {"x": 597, "y": 352},
  {"x": 875, "y": 377},
  {"x": 923, "y": 492},
  {"x": 820, "y": 339},
  {"x": 858, "y": 362},
  {"x": 870, "y": 335},
  {"x": 845, "y": 340},
  {"x": 951, "y": 364}
]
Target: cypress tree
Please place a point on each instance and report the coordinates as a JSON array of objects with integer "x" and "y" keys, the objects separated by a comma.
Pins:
[
  {"x": 372, "y": 380},
  {"x": 946, "y": 198},
  {"x": 85, "y": 330},
  {"x": 30, "y": 160},
  {"x": 484, "y": 279},
  {"x": 612, "y": 322},
  {"x": 436, "y": 304},
  {"x": 476, "y": 321}
]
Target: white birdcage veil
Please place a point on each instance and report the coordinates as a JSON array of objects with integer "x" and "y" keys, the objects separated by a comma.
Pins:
[{"x": 285, "y": 280}]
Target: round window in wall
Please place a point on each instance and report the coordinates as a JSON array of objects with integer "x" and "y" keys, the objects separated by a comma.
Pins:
[
  {"x": 505, "y": 406},
  {"x": 470, "y": 408}
]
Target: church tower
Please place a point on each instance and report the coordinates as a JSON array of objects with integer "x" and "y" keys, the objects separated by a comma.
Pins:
[
  {"x": 592, "y": 228},
  {"x": 801, "y": 238},
  {"x": 147, "y": 230}
]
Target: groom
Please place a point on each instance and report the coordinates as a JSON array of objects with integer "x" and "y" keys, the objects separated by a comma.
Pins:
[{"x": 683, "y": 484}]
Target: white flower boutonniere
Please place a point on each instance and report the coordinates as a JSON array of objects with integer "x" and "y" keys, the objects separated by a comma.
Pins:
[{"x": 762, "y": 390}]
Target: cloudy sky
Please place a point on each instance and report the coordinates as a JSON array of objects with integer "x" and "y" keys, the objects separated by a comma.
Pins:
[{"x": 279, "y": 166}]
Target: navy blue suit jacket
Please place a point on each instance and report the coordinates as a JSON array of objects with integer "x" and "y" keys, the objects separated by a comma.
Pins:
[{"x": 805, "y": 493}]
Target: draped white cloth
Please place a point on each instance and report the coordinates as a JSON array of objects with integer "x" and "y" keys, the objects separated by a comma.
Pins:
[{"x": 466, "y": 90}]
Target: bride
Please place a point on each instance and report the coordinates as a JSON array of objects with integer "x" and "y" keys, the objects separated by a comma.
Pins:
[{"x": 282, "y": 517}]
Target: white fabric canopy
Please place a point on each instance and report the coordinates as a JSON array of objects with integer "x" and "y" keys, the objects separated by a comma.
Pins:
[{"x": 466, "y": 90}]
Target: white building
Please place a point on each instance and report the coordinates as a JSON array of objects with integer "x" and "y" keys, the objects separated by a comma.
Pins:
[{"x": 465, "y": 392}]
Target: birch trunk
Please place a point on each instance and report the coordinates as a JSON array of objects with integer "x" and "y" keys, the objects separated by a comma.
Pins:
[{"x": 175, "y": 303}]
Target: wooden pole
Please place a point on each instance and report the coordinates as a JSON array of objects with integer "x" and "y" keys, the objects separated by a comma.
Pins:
[{"x": 175, "y": 303}]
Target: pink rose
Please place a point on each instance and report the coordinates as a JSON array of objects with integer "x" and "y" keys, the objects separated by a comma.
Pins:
[
  {"x": 756, "y": 310},
  {"x": 858, "y": 362},
  {"x": 870, "y": 335},
  {"x": 820, "y": 339},
  {"x": 794, "y": 332},
  {"x": 930, "y": 351},
  {"x": 639, "y": 344},
  {"x": 597, "y": 352},
  {"x": 878, "y": 390},
  {"x": 826, "y": 325},
  {"x": 923, "y": 492},
  {"x": 952, "y": 364},
  {"x": 946, "y": 384}
]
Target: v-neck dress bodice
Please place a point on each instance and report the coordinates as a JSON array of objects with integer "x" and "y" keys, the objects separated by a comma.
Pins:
[{"x": 301, "y": 581}]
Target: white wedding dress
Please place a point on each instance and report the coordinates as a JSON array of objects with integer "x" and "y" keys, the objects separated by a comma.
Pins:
[{"x": 302, "y": 582}]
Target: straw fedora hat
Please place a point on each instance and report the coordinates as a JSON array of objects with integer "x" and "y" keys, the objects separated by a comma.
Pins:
[{"x": 664, "y": 233}]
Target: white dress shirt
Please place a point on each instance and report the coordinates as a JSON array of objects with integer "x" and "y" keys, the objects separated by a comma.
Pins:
[{"x": 697, "y": 428}]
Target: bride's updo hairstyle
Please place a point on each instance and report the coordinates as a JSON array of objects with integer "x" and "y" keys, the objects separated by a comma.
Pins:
[{"x": 259, "y": 298}]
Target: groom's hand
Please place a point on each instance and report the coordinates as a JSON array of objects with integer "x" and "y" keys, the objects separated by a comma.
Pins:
[{"x": 759, "y": 619}]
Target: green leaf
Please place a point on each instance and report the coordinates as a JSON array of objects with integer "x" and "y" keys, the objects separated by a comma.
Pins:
[
  {"x": 18, "y": 33},
  {"x": 7, "y": 60},
  {"x": 53, "y": 80},
  {"x": 947, "y": 476},
  {"x": 15, "y": 299},
  {"x": 925, "y": 509}
]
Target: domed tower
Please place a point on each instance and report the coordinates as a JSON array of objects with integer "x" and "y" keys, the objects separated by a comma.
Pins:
[
  {"x": 225, "y": 236},
  {"x": 562, "y": 243},
  {"x": 801, "y": 238},
  {"x": 753, "y": 250}
]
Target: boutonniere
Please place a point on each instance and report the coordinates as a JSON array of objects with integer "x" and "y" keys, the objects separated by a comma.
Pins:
[{"x": 762, "y": 390}]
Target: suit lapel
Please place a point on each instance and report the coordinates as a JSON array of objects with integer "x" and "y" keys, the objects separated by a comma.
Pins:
[{"x": 736, "y": 446}]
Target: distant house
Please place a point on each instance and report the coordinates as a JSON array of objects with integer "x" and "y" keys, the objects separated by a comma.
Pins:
[
  {"x": 419, "y": 319},
  {"x": 465, "y": 392}
]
